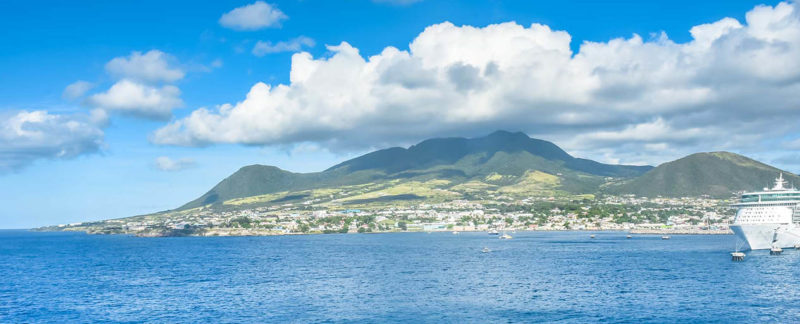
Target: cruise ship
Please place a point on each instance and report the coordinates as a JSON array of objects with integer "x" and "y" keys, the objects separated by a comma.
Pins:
[{"x": 769, "y": 218}]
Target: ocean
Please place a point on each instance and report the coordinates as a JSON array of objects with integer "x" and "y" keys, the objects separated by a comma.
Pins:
[{"x": 401, "y": 277}]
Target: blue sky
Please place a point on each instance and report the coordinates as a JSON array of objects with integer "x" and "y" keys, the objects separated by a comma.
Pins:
[{"x": 92, "y": 154}]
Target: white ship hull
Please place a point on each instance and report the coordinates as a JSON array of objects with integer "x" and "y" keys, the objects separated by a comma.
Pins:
[{"x": 761, "y": 236}]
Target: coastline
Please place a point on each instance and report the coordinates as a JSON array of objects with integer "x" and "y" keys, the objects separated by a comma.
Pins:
[{"x": 240, "y": 232}]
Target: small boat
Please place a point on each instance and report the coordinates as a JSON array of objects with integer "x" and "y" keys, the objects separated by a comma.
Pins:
[
  {"x": 591, "y": 236},
  {"x": 486, "y": 250},
  {"x": 665, "y": 237},
  {"x": 455, "y": 232},
  {"x": 505, "y": 236},
  {"x": 628, "y": 236},
  {"x": 494, "y": 232},
  {"x": 736, "y": 255}
]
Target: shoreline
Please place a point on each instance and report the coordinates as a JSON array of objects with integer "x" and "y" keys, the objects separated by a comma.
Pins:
[{"x": 250, "y": 232}]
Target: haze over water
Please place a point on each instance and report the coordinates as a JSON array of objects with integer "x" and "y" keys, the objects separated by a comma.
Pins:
[{"x": 406, "y": 277}]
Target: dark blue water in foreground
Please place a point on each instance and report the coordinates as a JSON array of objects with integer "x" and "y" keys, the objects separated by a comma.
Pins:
[{"x": 440, "y": 277}]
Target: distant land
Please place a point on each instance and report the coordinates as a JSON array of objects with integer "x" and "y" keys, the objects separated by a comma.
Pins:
[
  {"x": 500, "y": 169},
  {"x": 716, "y": 174},
  {"x": 500, "y": 160}
]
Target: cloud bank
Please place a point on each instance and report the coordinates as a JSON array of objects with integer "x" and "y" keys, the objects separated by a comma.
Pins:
[
  {"x": 630, "y": 100},
  {"x": 28, "y": 136}
]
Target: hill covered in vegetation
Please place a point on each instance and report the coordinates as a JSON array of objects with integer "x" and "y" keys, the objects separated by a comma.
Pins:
[{"x": 501, "y": 159}]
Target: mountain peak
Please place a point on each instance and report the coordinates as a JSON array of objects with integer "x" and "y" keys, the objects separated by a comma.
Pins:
[
  {"x": 454, "y": 158},
  {"x": 717, "y": 174},
  {"x": 447, "y": 151},
  {"x": 507, "y": 134},
  {"x": 260, "y": 167}
]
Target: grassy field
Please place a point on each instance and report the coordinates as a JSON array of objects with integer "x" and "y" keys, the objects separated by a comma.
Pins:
[
  {"x": 535, "y": 182},
  {"x": 427, "y": 189}
]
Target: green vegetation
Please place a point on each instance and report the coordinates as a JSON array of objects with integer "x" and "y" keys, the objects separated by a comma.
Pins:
[
  {"x": 511, "y": 160},
  {"x": 717, "y": 174},
  {"x": 503, "y": 180},
  {"x": 242, "y": 222}
]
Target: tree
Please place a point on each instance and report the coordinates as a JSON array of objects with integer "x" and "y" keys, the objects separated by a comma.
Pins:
[
  {"x": 402, "y": 226},
  {"x": 303, "y": 228},
  {"x": 242, "y": 222}
]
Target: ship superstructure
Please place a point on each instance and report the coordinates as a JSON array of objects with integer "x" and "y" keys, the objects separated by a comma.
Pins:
[{"x": 769, "y": 218}]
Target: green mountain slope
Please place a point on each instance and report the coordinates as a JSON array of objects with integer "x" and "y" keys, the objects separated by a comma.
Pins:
[
  {"x": 718, "y": 174},
  {"x": 444, "y": 151},
  {"x": 456, "y": 160}
]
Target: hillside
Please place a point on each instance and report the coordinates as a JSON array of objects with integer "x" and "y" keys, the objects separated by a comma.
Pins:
[
  {"x": 473, "y": 182},
  {"x": 497, "y": 160},
  {"x": 447, "y": 151},
  {"x": 717, "y": 174}
]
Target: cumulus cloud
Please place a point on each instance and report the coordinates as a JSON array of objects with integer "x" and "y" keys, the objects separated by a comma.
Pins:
[
  {"x": 293, "y": 45},
  {"x": 137, "y": 99},
  {"x": 628, "y": 99},
  {"x": 258, "y": 15},
  {"x": 164, "y": 163},
  {"x": 152, "y": 66},
  {"x": 28, "y": 136},
  {"x": 76, "y": 90},
  {"x": 140, "y": 90}
]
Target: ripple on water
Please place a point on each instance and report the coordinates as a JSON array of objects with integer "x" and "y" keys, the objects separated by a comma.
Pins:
[{"x": 440, "y": 277}]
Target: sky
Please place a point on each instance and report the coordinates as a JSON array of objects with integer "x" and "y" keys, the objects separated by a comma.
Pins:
[{"x": 118, "y": 108}]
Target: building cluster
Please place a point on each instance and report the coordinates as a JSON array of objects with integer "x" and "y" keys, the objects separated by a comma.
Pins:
[{"x": 602, "y": 213}]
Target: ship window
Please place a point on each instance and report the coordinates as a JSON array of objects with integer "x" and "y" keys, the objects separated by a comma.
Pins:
[{"x": 749, "y": 198}]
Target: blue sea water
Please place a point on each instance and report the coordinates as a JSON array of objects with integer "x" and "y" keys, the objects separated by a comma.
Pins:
[{"x": 403, "y": 277}]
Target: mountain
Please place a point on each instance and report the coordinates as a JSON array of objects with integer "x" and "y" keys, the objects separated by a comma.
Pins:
[
  {"x": 445, "y": 151},
  {"x": 499, "y": 159},
  {"x": 718, "y": 174}
]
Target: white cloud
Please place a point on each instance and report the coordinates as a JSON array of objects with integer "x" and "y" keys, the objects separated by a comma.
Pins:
[
  {"x": 152, "y": 66},
  {"x": 293, "y": 45},
  {"x": 28, "y": 136},
  {"x": 76, "y": 90},
  {"x": 99, "y": 117},
  {"x": 139, "y": 91},
  {"x": 138, "y": 99},
  {"x": 734, "y": 85},
  {"x": 257, "y": 15},
  {"x": 164, "y": 163}
]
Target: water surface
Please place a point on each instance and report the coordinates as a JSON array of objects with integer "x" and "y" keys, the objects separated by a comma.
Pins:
[{"x": 403, "y": 277}]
